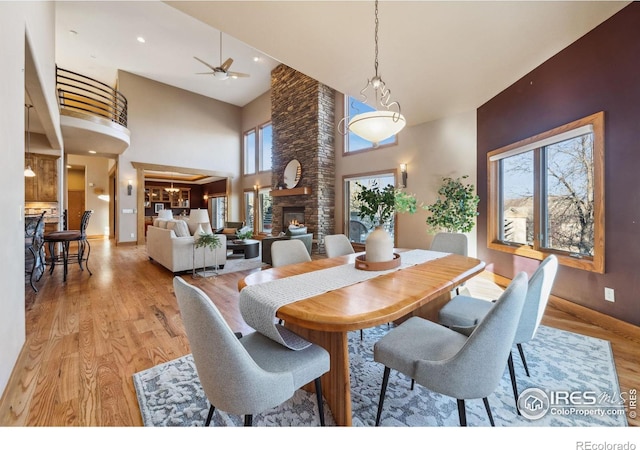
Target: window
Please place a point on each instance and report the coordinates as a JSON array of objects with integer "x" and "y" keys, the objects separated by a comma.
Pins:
[
  {"x": 257, "y": 151},
  {"x": 358, "y": 229},
  {"x": 218, "y": 211},
  {"x": 249, "y": 208},
  {"x": 354, "y": 143},
  {"x": 266, "y": 142},
  {"x": 546, "y": 195},
  {"x": 266, "y": 211},
  {"x": 250, "y": 152}
]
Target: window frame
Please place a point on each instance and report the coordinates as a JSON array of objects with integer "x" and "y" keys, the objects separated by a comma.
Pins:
[
  {"x": 257, "y": 157},
  {"x": 595, "y": 263},
  {"x": 249, "y": 193},
  {"x": 260, "y": 148},
  {"x": 345, "y": 143},
  {"x": 346, "y": 216}
]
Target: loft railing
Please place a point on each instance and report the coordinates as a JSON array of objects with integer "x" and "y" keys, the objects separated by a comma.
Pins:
[{"x": 78, "y": 93}]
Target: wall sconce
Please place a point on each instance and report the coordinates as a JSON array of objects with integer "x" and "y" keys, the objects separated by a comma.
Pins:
[
  {"x": 403, "y": 172},
  {"x": 256, "y": 188},
  {"x": 129, "y": 188},
  {"x": 206, "y": 197}
]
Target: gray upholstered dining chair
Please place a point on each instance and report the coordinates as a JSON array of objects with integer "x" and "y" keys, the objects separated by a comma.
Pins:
[
  {"x": 450, "y": 363},
  {"x": 450, "y": 243},
  {"x": 290, "y": 251},
  {"x": 463, "y": 312},
  {"x": 246, "y": 375},
  {"x": 337, "y": 245}
]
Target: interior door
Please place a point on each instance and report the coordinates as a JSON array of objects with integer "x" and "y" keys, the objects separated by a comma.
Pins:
[{"x": 75, "y": 209}]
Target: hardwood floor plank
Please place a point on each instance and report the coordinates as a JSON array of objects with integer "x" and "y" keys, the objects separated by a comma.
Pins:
[{"x": 87, "y": 337}]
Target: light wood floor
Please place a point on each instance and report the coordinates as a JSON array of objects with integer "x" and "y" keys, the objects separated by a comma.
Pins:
[{"x": 88, "y": 336}]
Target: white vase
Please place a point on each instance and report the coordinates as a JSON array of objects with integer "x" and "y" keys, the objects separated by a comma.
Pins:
[{"x": 379, "y": 246}]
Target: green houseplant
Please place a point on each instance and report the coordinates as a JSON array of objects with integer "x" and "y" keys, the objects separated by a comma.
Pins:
[
  {"x": 455, "y": 209},
  {"x": 211, "y": 241},
  {"x": 377, "y": 206},
  {"x": 244, "y": 234}
]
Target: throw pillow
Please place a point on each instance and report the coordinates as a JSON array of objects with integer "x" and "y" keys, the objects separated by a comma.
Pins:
[{"x": 179, "y": 227}]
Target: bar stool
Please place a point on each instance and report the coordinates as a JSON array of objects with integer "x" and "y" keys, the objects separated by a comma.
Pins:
[{"x": 64, "y": 238}]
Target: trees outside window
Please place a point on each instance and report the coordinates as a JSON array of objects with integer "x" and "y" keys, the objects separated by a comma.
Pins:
[{"x": 546, "y": 195}]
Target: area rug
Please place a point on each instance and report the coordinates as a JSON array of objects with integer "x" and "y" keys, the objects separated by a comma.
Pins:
[
  {"x": 236, "y": 263},
  {"x": 170, "y": 394}
]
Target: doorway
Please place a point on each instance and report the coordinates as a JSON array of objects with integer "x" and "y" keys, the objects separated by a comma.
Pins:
[{"x": 75, "y": 196}]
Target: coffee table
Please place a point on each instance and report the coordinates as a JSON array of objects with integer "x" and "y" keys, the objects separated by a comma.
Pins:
[{"x": 250, "y": 247}]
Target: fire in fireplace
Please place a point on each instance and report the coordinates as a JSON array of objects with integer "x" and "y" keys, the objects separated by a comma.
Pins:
[{"x": 293, "y": 215}]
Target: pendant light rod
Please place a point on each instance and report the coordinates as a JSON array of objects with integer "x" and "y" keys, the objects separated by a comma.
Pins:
[{"x": 28, "y": 172}]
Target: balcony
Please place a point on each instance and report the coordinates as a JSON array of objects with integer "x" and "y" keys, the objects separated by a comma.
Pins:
[{"x": 93, "y": 116}]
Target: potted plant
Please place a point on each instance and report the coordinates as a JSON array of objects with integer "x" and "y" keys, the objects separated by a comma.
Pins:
[
  {"x": 211, "y": 241},
  {"x": 455, "y": 209},
  {"x": 244, "y": 233},
  {"x": 377, "y": 206}
]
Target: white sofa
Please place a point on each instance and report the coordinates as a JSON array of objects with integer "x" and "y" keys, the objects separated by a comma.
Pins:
[{"x": 175, "y": 252}]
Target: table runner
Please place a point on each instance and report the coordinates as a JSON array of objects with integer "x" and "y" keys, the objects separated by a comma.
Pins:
[{"x": 259, "y": 302}]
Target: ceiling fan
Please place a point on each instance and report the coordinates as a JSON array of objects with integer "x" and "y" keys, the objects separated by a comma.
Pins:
[{"x": 222, "y": 71}]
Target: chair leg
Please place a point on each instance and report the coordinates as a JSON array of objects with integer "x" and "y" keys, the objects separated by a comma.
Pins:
[
  {"x": 318, "y": 383},
  {"x": 383, "y": 391},
  {"x": 210, "y": 415},
  {"x": 361, "y": 335},
  {"x": 248, "y": 420},
  {"x": 514, "y": 386},
  {"x": 413, "y": 383},
  {"x": 488, "y": 408},
  {"x": 462, "y": 413},
  {"x": 524, "y": 361}
]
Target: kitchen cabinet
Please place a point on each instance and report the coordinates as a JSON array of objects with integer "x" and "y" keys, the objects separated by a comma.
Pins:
[
  {"x": 157, "y": 194},
  {"x": 44, "y": 186}
]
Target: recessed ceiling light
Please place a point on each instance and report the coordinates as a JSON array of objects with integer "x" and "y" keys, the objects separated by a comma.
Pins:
[
  {"x": 141, "y": 39},
  {"x": 93, "y": 152},
  {"x": 256, "y": 59}
]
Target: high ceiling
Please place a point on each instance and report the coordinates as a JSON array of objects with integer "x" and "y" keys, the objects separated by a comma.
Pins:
[{"x": 438, "y": 58}]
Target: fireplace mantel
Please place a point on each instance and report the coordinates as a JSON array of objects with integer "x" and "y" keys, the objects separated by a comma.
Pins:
[{"x": 294, "y": 191}]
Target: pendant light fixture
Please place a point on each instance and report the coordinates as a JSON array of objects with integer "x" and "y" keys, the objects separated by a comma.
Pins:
[
  {"x": 28, "y": 172},
  {"x": 171, "y": 190},
  {"x": 386, "y": 120}
]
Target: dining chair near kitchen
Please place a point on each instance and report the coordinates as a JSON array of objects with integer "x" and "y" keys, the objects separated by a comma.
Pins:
[
  {"x": 33, "y": 253},
  {"x": 450, "y": 363},
  {"x": 289, "y": 251},
  {"x": 463, "y": 312},
  {"x": 246, "y": 375},
  {"x": 337, "y": 245},
  {"x": 63, "y": 239}
]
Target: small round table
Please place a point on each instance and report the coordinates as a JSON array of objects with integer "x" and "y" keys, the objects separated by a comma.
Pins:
[{"x": 250, "y": 247}]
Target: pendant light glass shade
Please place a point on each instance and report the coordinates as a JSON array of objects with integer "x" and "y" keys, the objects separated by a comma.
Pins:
[
  {"x": 376, "y": 126},
  {"x": 29, "y": 173}
]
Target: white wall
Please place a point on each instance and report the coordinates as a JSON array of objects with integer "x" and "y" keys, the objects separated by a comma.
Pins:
[
  {"x": 174, "y": 127},
  {"x": 16, "y": 19},
  {"x": 432, "y": 150}
]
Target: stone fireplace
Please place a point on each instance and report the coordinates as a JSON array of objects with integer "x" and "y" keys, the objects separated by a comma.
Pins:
[{"x": 302, "y": 117}]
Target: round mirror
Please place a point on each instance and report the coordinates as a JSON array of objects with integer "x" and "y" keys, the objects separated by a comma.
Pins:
[{"x": 292, "y": 174}]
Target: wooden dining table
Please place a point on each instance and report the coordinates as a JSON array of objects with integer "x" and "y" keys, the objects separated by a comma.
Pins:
[{"x": 326, "y": 319}]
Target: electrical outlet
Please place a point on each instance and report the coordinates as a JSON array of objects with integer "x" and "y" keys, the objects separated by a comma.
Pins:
[
  {"x": 609, "y": 295},
  {"x": 133, "y": 235}
]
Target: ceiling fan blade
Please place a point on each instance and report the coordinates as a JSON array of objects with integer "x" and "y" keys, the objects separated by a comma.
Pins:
[
  {"x": 206, "y": 63},
  {"x": 225, "y": 65},
  {"x": 238, "y": 75},
  {"x": 205, "y": 73}
]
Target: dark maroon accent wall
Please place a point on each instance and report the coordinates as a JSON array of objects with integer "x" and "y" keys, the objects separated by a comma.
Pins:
[{"x": 599, "y": 72}]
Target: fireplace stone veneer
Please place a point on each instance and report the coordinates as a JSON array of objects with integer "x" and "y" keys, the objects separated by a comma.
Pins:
[{"x": 302, "y": 117}]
